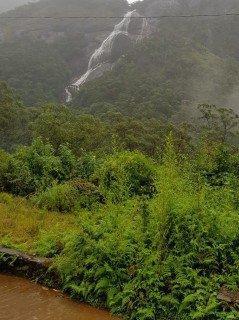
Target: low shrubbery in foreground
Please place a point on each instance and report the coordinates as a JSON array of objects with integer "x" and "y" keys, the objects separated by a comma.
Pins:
[{"x": 159, "y": 242}]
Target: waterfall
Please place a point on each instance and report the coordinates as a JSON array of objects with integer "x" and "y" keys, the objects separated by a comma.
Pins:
[
  {"x": 68, "y": 95},
  {"x": 131, "y": 29}
]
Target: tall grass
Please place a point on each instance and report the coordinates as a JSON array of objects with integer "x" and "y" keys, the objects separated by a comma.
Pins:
[{"x": 24, "y": 227}]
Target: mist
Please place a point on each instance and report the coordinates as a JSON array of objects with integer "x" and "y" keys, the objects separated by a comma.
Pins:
[{"x": 6, "y": 5}]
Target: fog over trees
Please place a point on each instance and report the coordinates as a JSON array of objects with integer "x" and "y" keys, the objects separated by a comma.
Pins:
[
  {"x": 6, "y": 5},
  {"x": 11, "y": 4}
]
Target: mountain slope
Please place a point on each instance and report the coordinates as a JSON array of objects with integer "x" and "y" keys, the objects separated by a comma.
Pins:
[
  {"x": 64, "y": 45},
  {"x": 160, "y": 75},
  {"x": 218, "y": 34},
  {"x": 186, "y": 59}
]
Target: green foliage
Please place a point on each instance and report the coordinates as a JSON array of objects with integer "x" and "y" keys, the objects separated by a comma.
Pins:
[
  {"x": 87, "y": 166},
  {"x": 60, "y": 198},
  {"x": 4, "y": 158},
  {"x": 34, "y": 69},
  {"x": 220, "y": 124},
  {"x": 172, "y": 266},
  {"x": 151, "y": 240},
  {"x": 14, "y": 119},
  {"x": 60, "y": 125},
  {"x": 218, "y": 165},
  {"x": 126, "y": 175},
  {"x": 37, "y": 167},
  {"x": 51, "y": 243},
  {"x": 69, "y": 197},
  {"x": 6, "y": 198}
]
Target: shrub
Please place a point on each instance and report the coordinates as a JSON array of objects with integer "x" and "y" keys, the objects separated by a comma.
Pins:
[
  {"x": 217, "y": 165},
  {"x": 88, "y": 194},
  {"x": 50, "y": 244},
  {"x": 69, "y": 196},
  {"x": 87, "y": 166},
  {"x": 61, "y": 197},
  {"x": 37, "y": 167},
  {"x": 126, "y": 175},
  {"x": 18, "y": 178}
]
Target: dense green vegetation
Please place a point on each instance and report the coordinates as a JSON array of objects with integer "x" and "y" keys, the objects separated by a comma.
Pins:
[
  {"x": 161, "y": 244},
  {"x": 42, "y": 68},
  {"x": 139, "y": 216},
  {"x": 218, "y": 35}
]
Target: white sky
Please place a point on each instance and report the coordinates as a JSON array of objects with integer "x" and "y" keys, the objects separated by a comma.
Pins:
[
  {"x": 131, "y": 1},
  {"x": 10, "y": 4}
]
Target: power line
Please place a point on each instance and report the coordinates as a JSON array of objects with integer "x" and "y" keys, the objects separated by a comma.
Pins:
[{"x": 209, "y": 15}]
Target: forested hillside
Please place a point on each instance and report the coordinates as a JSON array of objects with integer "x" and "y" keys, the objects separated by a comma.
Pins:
[
  {"x": 65, "y": 45},
  {"x": 161, "y": 75},
  {"x": 218, "y": 34}
]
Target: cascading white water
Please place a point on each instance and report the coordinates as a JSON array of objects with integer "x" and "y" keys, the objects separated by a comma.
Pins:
[
  {"x": 101, "y": 59},
  {"x": 68, "y": 95},
  {"x": 105, "y": 49}
]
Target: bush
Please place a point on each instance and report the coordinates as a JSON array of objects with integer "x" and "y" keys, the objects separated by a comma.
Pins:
[
  {"x": 69, "y": 197},
  {"x": 37, "y": 167},
  {"x": 50, "y": 244},
  {"x": 62, "y": 198},
  {"x": 87, "y": 166},
  {"x": 126, "y": 175}
]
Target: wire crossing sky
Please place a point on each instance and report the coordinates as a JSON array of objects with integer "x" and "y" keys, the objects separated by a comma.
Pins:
[{"x": 212, "y": 15}]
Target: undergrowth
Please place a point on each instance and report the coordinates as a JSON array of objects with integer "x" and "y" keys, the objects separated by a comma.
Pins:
[{"x": 161, "y": 244}]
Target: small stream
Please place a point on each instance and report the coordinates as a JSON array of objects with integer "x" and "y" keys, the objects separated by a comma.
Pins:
[{"x": 21, "y": 299}]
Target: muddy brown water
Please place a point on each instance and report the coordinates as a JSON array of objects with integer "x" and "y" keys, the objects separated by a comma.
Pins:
[{"x": 21, "y": 299}]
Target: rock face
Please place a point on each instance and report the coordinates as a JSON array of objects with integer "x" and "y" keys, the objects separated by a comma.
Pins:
[{"x": 131, "y": 29}]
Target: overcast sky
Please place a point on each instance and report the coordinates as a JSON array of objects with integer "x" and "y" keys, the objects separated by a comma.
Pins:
[{"x": 10, "y": 4}]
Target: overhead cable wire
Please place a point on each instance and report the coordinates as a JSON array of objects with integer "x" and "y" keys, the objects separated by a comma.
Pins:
[{"x": 209, "y": 15}]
